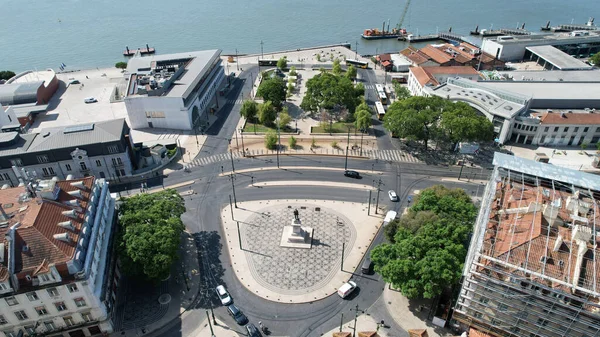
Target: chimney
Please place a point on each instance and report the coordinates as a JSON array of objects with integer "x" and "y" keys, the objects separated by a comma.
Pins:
[
  {"x": 79, "y": 185},
  {"x": 65, "y": 237},
  {"x": 76, "y": 194},
  {"x": 67, "y": 225},
  {"x": 70, "y": 214}
]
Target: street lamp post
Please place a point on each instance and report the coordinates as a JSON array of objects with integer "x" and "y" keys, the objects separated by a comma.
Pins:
[
  {"x": 261, "y": 50},
  {"x": 243, "y": 147},
  {"x": 237, "y": 60},
  {"x": 233, "y": 189},
  {"x": 231, "y": 156},
  {"x": 362, "y": 133},
  {"x": 278, "y": 139},
  {"x": 347, "y": 145},
  {"x": 378, "y": 190}
]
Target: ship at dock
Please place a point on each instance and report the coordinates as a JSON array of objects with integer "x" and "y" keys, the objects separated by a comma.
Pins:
[{"x": 395, "y": 33}]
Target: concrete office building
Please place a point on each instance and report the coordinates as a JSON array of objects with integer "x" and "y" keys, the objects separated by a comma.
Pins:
[
  {"x": 172, "y": 91},
  {"x": 533, "y": 262},
  {"x": 513, "y": 48},
  {"x": 56, "y": 270},
  {"x": 102, "y": 149}
]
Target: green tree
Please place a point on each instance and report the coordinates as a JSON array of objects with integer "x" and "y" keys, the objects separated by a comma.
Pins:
[
  {"x": 293, "y": 142},
  {"x": 319, "y": 57},
  {"x": 271, "y": 140},
  {"x": 595, "y": 60},
  {"x": 460, "y": 122},
  {"x": 401, "y": 91},
  {"x": 293, "y": 71},
  {"x": 362, "y": 117},
  {"x": 290, "y": 90},
  {"x": 351, "y": 72},
  {"x": 284, "y": 120},
  {"x": 121, "y": 65},
  {"x": 272, "y": 89},
  {"x": 6, "y": 74},
  {"x": 337, "y": 68},
  {"x": 428, "y": 245},
  {"x": 415, "y": 118},
  {"x": 267, "y": 113},
  {"x": 584, "y": 146},
  {"x": 150, "y": 233},
  {"x": 326, "y": 91},
  {"x": 282, "y": 63},
  {"x": 249, "y": 110}
]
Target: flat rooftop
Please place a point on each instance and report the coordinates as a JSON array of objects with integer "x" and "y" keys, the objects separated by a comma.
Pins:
[
  {"x": 548, "y": 90},
  {"x": 592, "y": 75},
  {"x": 558, "y": 58},
  {"x": 548, "y": 38},
  {"x": 198, "y": 66}
]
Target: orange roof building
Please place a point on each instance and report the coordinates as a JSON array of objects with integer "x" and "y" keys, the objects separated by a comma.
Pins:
[
  {"x": 54, "y": 249},
  {"x": 420, "y": 77},
  {"x": 534, "y": 260}
]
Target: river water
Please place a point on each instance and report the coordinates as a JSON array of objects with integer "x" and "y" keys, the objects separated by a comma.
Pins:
[{"x": 94, "y": 33}]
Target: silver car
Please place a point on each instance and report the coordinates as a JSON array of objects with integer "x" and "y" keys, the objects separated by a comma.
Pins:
[{"x": 393, "y": 196}]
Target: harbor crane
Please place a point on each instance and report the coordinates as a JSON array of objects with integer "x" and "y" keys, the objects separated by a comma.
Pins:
[{"x": 399, "y": 25}]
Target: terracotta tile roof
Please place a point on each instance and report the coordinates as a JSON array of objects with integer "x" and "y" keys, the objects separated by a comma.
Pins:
[
  {"x": 569, "y": 118},
  {"x": 436, "y": 54},
  {"x": 422, "y": 76},
  {"x": 409, "y": 50},
  {"x": 342, "y": 334},
  {"x": 39, "y": 219},
  {"x": 384, "y": 57},
  {"x": 414, "y": 55},
  {"x": 476, "y": 333},
  {"x": 417, "y": 333},
  {"x": 386, "y": 63},
  {"x": 368, "y": 334}
]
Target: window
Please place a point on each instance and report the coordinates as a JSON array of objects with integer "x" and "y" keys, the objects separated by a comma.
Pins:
[
  {"x": 502, "y": 306},
  {"x": 11, "y": 301},
  {"x": 41, "y": 310},
  {"x": 51, "y": 170},
  {"x": 68, "y": 167},
  {"x": 42, "y": 159},
  {"x": 30, "y": 329},
  {"x": 72, "y": 287},
  {"x": 566, "y": 129},
  {"x": 45, "y": 170},
  {"x": 44, "y": 277},
  {"x": 52, "y": 292},
  {"x": 32, "y": 296},
  {"x": 477, "y": 315},
  {"x": 2, "y": 285},
  {"x": 556, "y": 129},
  {"x": 122, "y": 172},
  {"x": 484, "y": 300},
  {"x": 86, "y": 316},
  {"x": 49, "y": 325},
  {"x": 515, "y": 330},
  {"x": 117, "y": 161},
  {"x": 546, "y": 129},
  {"x": 576, "y": 129},
  {"x": 79, "y": 302},
  {"x": 16, "y": 162},
  {"x": 83, "y": 166},
  {"x": 60, "y": 306},
  {"x": 3, "y": 320},
  {"x": 68, "y": 320},
  {"x": 586, "y": 129},
  {"x": 21, "y": 315},
  {"x": 542, "y": 322},
  {"x": 102, "y": 175},
  {"x": 112, "y": 149},
  {"x": 98, "y": 163},
  {"x": 4, "y": 176}
]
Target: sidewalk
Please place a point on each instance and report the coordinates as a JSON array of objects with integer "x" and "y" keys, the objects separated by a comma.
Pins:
[
  {"x": 407, "y": 315},
  {"x": 220, "y": 329},
  {"x": 177, "y": 294},
  {"x": 363, "y": 323}
]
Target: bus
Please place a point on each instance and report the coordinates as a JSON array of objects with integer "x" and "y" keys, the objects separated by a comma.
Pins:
[
  {"x": 267, "y": 62},
  {"x": 379, "y": 87},
  {"x": 380, "y": 110},
  {"x": 356, "y": 63},
  {"x": 382, "y": 97}
]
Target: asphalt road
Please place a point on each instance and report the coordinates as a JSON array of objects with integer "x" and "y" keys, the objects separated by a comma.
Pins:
[{"x": 211, "y": 193}]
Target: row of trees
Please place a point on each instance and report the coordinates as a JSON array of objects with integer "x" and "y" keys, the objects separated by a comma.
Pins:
[
  {"x": 150, "y": 233},
  {"x": 428, "y": 245},
  {"x": 434, "y": 118},
  {"x": 265, "y": 114}
]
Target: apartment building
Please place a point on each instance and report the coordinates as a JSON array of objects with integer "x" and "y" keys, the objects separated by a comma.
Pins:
[
  {"x": 533, "y": 262},
  {"x": 56, "y": 272}
]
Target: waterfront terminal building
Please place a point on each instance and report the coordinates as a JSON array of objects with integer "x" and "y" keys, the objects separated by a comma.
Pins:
[{"x": 172, "y": 91}]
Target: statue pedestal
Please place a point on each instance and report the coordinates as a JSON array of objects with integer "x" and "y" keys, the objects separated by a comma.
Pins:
[{"x": 296, "y": 236}]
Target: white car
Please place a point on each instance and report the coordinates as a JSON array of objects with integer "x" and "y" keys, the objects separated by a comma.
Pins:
[
  {"x": 346, "y": 289},
  {"x": 393, "y": 196},
  {"x": 223, "y": 295},
  {"x": 90, "y": 100}
]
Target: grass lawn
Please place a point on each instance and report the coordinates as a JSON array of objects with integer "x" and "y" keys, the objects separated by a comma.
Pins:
[
  {"x": 337, "y": 127},
  {"x": 249, "y": 128}
]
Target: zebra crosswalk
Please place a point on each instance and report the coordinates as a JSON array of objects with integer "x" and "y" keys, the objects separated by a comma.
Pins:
[
  {"x": 369, "y": 86},
  {"x": 385, "y": 155},
  {"x": 235, "y": 101}
]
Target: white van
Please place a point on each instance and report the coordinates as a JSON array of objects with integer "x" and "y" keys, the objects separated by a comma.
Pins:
[{"x": 346, "y": 289}]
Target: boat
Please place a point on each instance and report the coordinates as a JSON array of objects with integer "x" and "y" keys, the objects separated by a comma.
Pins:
[
  {"x": 143, "y": 51},
  {"x": 376, "y": 34}
]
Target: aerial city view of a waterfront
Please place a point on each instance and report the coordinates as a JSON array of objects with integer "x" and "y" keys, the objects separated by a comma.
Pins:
[{"x": 304, "y": 169}]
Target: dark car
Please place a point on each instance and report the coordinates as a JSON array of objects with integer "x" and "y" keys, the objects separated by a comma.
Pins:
[
  {"x": 237, "y": 314},
  {"x": 352, "y": 174},
  {"x": 253, "y": 331}
]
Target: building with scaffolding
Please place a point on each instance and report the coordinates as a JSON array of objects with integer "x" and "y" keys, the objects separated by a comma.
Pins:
[{"x": 533, "y": 262}]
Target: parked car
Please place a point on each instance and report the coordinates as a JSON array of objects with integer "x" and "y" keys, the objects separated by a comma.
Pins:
[
  {"x": 346, "y": 289},
  {"x": 237, "y": 314},
  {"x": 224, "y": 295},
  {"x": 366, "y": 266},
  {"x": 74, "y": 81},
  {"x": 253, "y": 331},
  {"x": 90, "y": 100},
  {"x": 352, "y": 174},
  {"x": 393, "y": 196}
]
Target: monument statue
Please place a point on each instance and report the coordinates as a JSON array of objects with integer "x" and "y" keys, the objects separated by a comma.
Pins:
[{"x": 296, "y": 214}]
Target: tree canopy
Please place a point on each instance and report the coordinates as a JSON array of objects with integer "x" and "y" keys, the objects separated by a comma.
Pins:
[
  {"x": 596, "y": 59},
  {"x": 6, "y": 74},
  {"x": 351, "y": 72},
  {"x": 249, "y": 110},
  {"x": 272, "y": 89},
  {"x": 362, "y": 116},
  {"x": 328, "y": 91},
  {"x": 428, "y": 248},
  {"x": 426, "y": 118},
  {"x": 150, "y": 233},
  {"x": 267, "y": 113},
  {"x": 284, "y": 119},
  {"x": 121, "y": 65},
  {"x": 401, "y": 91},
  {"x": 282, "y": 63},
  {"x": 337, "y": 68}
]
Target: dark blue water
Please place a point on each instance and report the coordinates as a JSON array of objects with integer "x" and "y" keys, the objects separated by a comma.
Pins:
[{"x": 91, "y": 33}]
